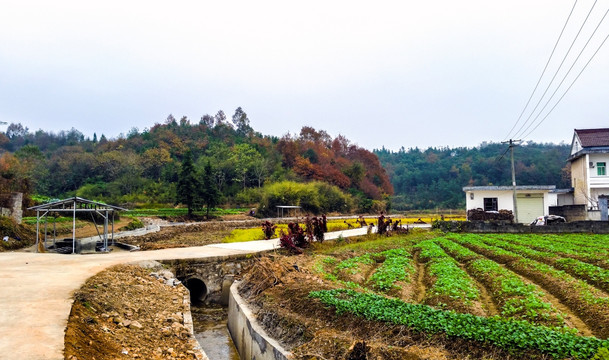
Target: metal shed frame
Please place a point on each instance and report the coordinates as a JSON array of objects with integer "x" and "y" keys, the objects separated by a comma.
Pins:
[
  {"x": 281, "y": 208},
  {"x": 74, "y": 205}
]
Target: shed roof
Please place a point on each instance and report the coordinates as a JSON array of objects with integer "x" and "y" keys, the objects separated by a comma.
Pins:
[
  {"x": 509, "y": 188},
  {"x": 78, "y": 202}
]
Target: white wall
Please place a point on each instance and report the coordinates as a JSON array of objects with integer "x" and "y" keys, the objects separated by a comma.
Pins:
[{"x": 505, "y": 199}]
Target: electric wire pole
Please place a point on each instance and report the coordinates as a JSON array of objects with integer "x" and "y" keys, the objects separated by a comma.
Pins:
[{"x": 512, "y": 144}]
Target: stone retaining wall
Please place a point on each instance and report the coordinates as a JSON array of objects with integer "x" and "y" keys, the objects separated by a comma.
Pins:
[{"x": 590, "y": 227}]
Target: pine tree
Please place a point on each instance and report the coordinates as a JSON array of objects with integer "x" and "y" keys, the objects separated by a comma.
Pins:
[
  {"x": 189, "y": 186},
  {"x": 210, "y": 194}
]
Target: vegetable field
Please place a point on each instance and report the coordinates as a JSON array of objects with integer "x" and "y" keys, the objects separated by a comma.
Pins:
[{"x": 547, "y": 294}]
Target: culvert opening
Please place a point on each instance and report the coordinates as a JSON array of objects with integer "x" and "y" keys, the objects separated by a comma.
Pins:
[{"x": 198, "y": 290}]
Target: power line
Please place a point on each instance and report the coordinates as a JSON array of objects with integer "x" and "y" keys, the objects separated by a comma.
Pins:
[
  {"x": 543, "y": 72},
  {"x": 557, "y": 70},
  {"x": 565, "y": 93},
  {"x": 567, "y": 74}
]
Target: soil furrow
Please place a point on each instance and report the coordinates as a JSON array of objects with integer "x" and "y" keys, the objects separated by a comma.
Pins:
[
  {"x": 420, "y": 288},
  {"x": 595, "y": 317}
]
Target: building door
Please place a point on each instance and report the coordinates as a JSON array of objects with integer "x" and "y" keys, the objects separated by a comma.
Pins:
[{"x": 530, "y": 206}]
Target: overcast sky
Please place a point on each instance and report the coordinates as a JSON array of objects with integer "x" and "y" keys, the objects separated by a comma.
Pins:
[{"x": 382, "y": 73}]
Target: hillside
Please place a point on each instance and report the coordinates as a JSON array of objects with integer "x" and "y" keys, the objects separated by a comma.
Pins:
[
  {"x": 434, "y": 178},
  {"x": 143, "y": 167}
]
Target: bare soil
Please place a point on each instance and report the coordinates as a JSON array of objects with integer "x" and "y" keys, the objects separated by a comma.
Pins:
[
  {"x": 182, "y": 236},
  {"x": 126, "y": 313}
]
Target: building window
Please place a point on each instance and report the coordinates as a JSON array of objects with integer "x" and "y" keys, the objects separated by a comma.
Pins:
[
  {"x": 490, "y": 204},
  {"x": 601, "y": 168}
]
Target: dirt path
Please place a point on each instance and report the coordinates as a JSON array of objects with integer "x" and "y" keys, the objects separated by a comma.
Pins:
[{"x": 420, "y": 287}]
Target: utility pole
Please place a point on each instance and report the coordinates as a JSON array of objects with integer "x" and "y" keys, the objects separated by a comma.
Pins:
[{"x": 512, "y": 144}]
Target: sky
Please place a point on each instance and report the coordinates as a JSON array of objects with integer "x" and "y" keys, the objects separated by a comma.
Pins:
[{"x": 384, "y": 74}]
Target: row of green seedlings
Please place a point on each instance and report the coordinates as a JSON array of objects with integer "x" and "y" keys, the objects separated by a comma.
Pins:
[
  {"x": 588, "y": 302},
  {"x": 515, "y": 336},
  {"x": 514, "y": 297},
  {"x": 587, "y": 248},
  {"x": 383, "y": 271},
  {"x": 448, "y": 286},
  {"x": 590, "y": 273}
]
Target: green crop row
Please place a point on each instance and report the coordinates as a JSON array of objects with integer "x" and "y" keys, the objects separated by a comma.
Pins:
[
  {"x": 460, "y": 253},
  {"x": 588, "y": 272},
  {"x": 587, "y": 301},
  {"x": 354, "y": 262},
  {"x": 515, "y": 297},
  {"x": 397, "y": 266},
  {"x": 569, "y": 245},
  {"x": 181, "y": 212},
  {"x": 511, "y": 335},
  {"x": 449, "y": 280},
  {"x": 586, "y": 291}
]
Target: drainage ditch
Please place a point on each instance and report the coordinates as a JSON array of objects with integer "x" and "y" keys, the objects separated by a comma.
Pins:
[{"x": 211, "y": 331}]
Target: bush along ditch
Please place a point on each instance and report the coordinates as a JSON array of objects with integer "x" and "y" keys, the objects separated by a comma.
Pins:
[
  {"x": 297, "y": 238},
  {"x": 511, "y": 335}
]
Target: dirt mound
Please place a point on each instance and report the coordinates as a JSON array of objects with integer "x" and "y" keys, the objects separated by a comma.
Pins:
[
  {"x": 19, "y": 235},
  {"x": 125, "y": 313}
]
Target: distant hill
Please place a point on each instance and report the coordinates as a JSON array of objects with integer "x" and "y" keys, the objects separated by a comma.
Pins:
[
  {"x": 434, "y": 178},
  {"x": 143, "y": 166}
]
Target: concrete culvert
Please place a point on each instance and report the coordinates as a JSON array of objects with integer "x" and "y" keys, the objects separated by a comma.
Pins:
[{"x": 197, "y": 288}]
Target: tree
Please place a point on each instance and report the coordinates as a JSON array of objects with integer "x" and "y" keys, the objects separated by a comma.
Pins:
[
  {"x": 207, "y": 120},
  {"x": 260, "y": 167},
  {"x": 241, "y": 122},
  {"x": 189, "y": 187},
  {"x": 210, "y": 194},
  {"x": 220, "y": 117},
  {"x": 243, "y": 158}
]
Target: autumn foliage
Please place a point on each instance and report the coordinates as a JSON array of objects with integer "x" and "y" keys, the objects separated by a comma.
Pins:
[
  {"x": 144, "y": 166},
  {"x": 314, "y": 155}
]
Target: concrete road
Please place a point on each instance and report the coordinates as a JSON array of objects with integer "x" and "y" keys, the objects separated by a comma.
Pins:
[{"x": 36, "y": 290}]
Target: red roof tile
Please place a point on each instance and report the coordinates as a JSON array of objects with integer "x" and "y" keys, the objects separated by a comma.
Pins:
[{"x": 593, "y": 137}]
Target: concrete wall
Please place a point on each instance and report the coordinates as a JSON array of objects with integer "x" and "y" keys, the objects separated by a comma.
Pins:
[
  {"x": 570, "y": 212},
  {"x": 590, "y": 227},
  {"x": 579, "y": 180},
  {"x": 250, "y": 339},
  {"x": 504, "y": 199},
  {"x": 12, "y": 206}
]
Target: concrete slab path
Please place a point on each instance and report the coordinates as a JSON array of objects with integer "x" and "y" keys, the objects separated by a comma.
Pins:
[{"x": 36, "y": 290}]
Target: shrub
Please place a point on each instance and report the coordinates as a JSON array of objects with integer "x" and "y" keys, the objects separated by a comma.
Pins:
[
  {"x": 294, "y": 240},
  {"x": 133, "y": 224},
  {"x": 314, "y": 197},
  {"x": 268, "y": 229}
]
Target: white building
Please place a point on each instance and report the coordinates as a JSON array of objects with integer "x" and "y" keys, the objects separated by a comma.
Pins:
[
  {"x": 532, "y": 200},
  {"x": 589, "y": 174}
]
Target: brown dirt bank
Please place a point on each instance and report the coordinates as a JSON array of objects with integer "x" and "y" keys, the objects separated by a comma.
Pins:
[{"x": 126, "y": 313}]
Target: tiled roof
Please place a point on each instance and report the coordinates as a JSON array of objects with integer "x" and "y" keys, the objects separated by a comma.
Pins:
[{"x": 593, "y": 137}]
